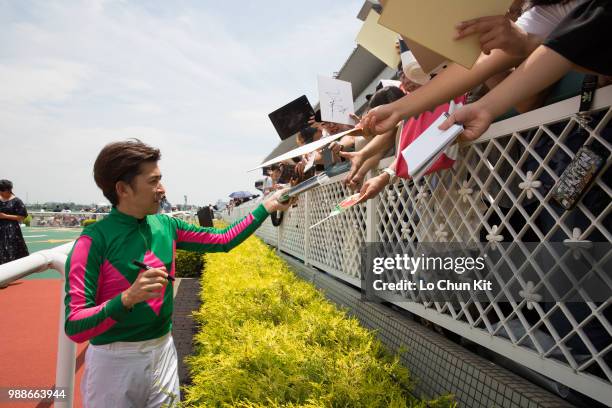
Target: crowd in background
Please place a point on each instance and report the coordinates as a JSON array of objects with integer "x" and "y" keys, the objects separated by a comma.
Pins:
[{"x": 524, "y": 52}]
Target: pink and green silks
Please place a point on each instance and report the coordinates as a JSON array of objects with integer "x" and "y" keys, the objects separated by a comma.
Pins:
[{"x": 99, "y": 268}]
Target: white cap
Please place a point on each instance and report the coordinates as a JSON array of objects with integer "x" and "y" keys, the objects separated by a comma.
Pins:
[{"x": 412, "y": 69}]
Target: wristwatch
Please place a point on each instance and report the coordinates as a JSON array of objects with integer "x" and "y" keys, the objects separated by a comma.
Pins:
[{"x": 391, "y": 173}]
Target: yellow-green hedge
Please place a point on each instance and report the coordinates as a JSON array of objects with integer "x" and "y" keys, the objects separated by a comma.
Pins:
[
  {"x": 270, "y": 339},
  {"x": 87, "y": 222},
  {"x": 188, "y": 264}
]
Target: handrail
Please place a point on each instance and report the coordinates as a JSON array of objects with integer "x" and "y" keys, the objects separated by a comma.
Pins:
[
  {"x": 37, "y": 262},
  {"x": 546, "y": 114},
  {"x": 54, "y": 258}
]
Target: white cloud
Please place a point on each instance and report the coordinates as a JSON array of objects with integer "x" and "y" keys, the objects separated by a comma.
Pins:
[
  {"x": 40, "y": 81},
  {"x": 75, "y": 77}
]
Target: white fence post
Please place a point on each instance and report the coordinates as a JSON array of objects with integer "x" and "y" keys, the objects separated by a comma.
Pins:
[
  {"x": 66, "y": 348},
  {"x": 371, "y": 216},
  {"x": 306, "y": 228}
]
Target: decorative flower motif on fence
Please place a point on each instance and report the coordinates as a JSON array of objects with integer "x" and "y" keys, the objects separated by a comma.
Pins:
[
  {"x": 529, "y": 185},
  {"x": 465, "y": 191},
  {"x": 406, "y": 230},
  {"x": 421, "y": 196},
  {"x": 494, "y": 237},
  {"x": 391, "y": 195},
  {"x": 530, "y": 296},
  {"x": 440, "y": 232},
  {"x": 576, "y": 244}
]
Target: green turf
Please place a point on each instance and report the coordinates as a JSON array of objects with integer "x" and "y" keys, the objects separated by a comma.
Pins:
[{"x": 38, "y": 238}]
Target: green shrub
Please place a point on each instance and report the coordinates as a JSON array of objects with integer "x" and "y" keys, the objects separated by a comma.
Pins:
[
  {"x": 188, "y": 264},
  {"x": 271, "y": 339},
  {"x": 27, "y": 220},
  {"x": 85, "y": 223}
]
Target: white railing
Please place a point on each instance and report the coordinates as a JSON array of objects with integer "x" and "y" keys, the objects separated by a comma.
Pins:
[
  {"x": 186, "y": 216},
  {"x": 63, "y": 219},
  {"x": 493, "y": 190},
  {"x": 55, "y": 258},
  {"x": 75, "y": 219},
  {"x": 66, "y": 349}
]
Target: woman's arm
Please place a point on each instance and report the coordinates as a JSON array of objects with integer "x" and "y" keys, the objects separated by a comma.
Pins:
[
  {"x": 367, "y": 158},
  {"x": 453, "y": 81},
  {"x": 17, "y": 218},
  {"x": 541, "y": 69},
  {"x": 504, "y": 44},
  {"x": 379, "y": 144}
]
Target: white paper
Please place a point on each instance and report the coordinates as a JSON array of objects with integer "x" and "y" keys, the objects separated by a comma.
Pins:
[
  {"x": 423, "y": 152},
  {"x": 310, "y": 147},
  {"x": 412, "y": 69},
  {"x": 336, "y": 100},
  {"x": 310, "y": 162}
]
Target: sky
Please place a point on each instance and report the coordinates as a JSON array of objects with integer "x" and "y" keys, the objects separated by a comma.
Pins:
[{"x": 193, "y": 78}]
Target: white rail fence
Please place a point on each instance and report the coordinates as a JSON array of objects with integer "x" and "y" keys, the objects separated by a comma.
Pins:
[
  {"x": 55, "y": 258},
  {"x": 499, "y": 189},
  {"x": 62, "y": 219},
  {"x": 75, "y": 219},
  {"x": 66, "y": 349}
]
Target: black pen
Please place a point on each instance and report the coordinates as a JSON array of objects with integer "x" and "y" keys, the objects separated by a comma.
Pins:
[{"x": 147, "y": 267}]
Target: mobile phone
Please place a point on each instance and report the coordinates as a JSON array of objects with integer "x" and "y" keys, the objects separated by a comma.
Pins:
[{"x": 578, "y": 175}]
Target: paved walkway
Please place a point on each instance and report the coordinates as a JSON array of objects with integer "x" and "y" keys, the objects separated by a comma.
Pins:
[
  {"x": 186, "y": 300},
  {"x": 28, "y": 347}
]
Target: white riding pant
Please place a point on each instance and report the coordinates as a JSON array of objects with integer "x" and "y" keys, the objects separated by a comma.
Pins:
[{"x": 142, "y": 374}]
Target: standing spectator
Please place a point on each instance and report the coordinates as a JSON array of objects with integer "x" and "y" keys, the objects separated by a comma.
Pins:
[
  {"x": 275, "y": 175},
  {"x": 268, "y": 183},
  {"x": 164, "y": 205},
  {"x": 12, "y": 213}
]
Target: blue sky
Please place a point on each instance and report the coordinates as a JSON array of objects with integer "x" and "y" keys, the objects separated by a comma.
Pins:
[{"x": 194, "y": 78}]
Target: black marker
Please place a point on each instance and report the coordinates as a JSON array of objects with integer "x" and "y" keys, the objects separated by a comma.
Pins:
[{"x": 147, "y": 267}]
